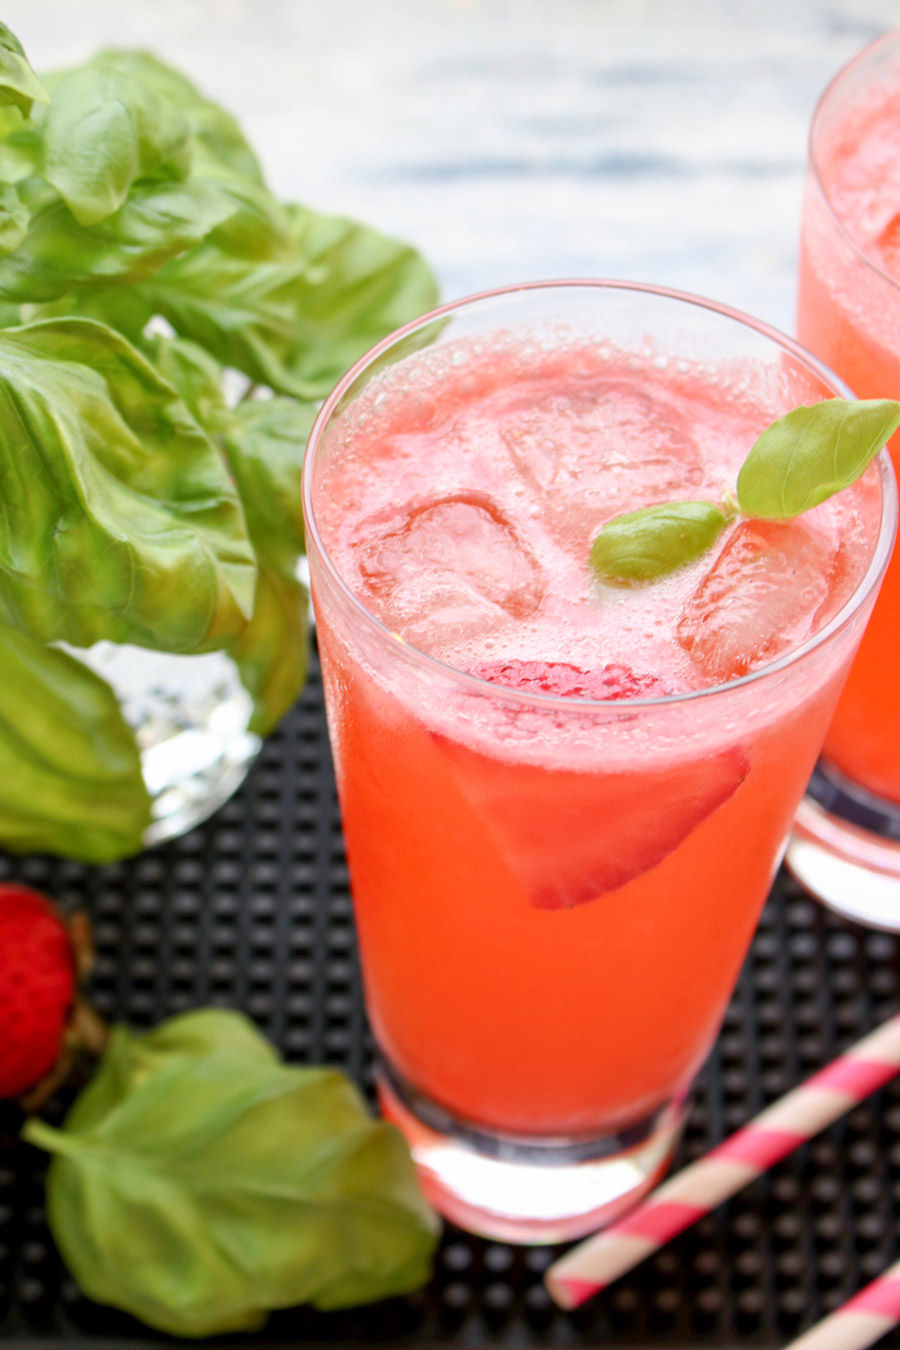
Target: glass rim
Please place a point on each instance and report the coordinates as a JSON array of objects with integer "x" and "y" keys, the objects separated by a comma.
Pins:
[
  {"x": 487, "y": 688},
  {"x": 831, "y": 88}
]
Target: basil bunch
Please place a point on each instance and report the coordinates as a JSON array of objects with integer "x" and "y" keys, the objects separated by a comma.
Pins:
[
  {"x": 198, "y": 1183},
  {"x": 136, "y": 505}
]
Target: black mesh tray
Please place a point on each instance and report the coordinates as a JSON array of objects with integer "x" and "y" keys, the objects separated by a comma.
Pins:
[{"x": 252, "y": 911}]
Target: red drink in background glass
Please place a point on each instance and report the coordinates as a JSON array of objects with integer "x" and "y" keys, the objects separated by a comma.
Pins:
[
  {"x": 847, "y": 844},
  {"x": 564, "y": 803}
]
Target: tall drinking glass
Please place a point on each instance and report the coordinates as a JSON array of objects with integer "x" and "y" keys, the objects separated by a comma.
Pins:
[
  {"x": 561, "y": 825},
  {"x": 846, "y": 846}
]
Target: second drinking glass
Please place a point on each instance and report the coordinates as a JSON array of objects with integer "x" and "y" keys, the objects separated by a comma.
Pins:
[{"x": 846, "y": 845}]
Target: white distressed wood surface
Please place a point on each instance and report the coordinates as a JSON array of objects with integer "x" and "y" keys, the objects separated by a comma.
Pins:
[{"x": 659, "y": 140}]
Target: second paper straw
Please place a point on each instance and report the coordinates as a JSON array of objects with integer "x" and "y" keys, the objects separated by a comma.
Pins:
[{"x": 699, "y": 1188}]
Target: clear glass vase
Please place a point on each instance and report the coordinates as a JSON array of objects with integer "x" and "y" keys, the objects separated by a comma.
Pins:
[{"x": 191, "y": 717}]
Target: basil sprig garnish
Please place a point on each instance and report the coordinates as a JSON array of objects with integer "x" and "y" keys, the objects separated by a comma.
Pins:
[{"x": 797, "y": 463}]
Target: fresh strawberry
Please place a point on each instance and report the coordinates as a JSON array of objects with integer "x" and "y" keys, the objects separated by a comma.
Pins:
[
  {"x": 571, "y": 837},
  {"x": 568, "y": 681},
  {"x": 38, "y": 979}
]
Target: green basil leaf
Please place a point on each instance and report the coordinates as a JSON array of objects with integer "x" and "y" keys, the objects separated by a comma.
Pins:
[
  {"x": 357, "y": 286},
  {"x": 19, "y": 85},
  {"x": 272, "y": 654},
  {"x": 195, "y": 1033},
  {"x": 294, "y": 321},
  {"x": 13, "y": 218},
  {"x": 264, "y": 441},
  {"x": 217, "y": 142},
  {"x": 104, "y": 131},
  {"x": 121, "y": 520},
  {"x": 70, "y": 770},
  {"x": 650, "y": 543},
  {"x": 807, "y": 456},
  {"x": 196, "y": 376},
  {"x": 120, "y": 307},
  {"x": 20, "y": 148},
  {"x": 129, "y": 1060},
  {"x": 259, "y": 228},
  {"x": 241, "y": 311},
  {"x": 157, "y": 222},
  {"x": 12, "y": 121},
  {"x": 208, "y": 1183}
]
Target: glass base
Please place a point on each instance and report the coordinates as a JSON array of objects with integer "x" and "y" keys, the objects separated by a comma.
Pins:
[
  {"x": 519, "y": 1189},
  {"x": 845, "y": 849},
  {"x": 189, "y": 715}
]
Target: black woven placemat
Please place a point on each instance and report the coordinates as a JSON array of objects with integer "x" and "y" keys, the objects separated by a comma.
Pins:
[{"x": 252, "y": 911}]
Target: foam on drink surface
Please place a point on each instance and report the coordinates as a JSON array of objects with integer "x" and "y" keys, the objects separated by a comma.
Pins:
[{"x": 461, "y": 492}]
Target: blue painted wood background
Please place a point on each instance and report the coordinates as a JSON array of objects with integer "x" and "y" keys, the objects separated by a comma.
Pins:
[{"x": 659, "y": 140}]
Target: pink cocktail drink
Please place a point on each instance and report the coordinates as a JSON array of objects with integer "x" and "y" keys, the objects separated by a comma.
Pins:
[
  {"x": 849, "y": 314},
  {"x": 564, "y": 801}
]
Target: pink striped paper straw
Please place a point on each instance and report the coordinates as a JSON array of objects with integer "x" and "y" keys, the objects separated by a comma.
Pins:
[
  {"x": 726, "y": 1169},
  {"x": 860, "y": 1321}
]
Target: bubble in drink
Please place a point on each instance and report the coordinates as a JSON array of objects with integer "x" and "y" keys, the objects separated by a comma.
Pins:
[{"x": 760, "y": 598}]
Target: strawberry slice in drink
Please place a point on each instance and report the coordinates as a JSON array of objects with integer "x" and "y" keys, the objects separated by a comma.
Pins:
[
  {"x": 612, "y": 681},
  {"x": 571, "y": 837}
]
